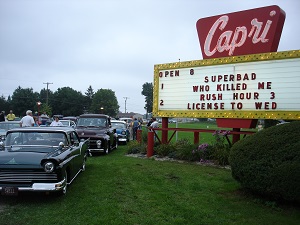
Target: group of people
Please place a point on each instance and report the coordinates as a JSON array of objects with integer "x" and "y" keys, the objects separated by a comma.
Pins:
[
  {"x": 136, "y": 125},
  {"x": 28, "y": 120},
  {"x": 10, "y": 116}
]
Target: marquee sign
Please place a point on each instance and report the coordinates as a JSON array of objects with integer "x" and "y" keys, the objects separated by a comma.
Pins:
[
  {"x": 241, "y": 33},
  {"x": 258, "y": 86}
]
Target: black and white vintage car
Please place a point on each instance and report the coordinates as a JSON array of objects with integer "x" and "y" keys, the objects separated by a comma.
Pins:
[{"x": 44, "y": 159}]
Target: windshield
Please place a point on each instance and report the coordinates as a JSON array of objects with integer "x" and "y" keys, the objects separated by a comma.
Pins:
[
  {"x": 35, "y": 138},
  {"x": 92, "y": 122},
  {"x": 8, "y": 125},
  {"x": 117, "y": 125},
  {"x": 64, "y": 122}
]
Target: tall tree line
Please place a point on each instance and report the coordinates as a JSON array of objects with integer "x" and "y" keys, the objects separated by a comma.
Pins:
[
  {"x": 64, "y": 101},
  {"x": 69, "y": 102}
]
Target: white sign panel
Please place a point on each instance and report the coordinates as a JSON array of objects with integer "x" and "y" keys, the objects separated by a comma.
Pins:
[{"x": 271, "y": 85}]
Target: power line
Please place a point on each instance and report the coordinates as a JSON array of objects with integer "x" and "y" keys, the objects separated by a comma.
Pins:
[
  {"x": 125, "y": 102},
  {"x": 47, "y": 91}
]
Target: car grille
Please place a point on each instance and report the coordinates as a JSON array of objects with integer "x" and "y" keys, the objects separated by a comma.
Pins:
[
  {"x": 93, "y": 144},
  {"x": 17, "y": 177}
]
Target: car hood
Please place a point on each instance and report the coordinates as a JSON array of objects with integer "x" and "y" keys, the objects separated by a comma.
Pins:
[{"x": 22, "y": 157}]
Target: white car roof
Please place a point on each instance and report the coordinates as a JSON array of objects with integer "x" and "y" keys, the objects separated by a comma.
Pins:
[{"x": 118, "y": 121}]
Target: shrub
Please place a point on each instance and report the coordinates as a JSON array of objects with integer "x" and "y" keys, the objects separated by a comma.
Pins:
[
  {"x": 181, "y": 149},
  {"x": 134, "y": 147},
  {"x": 184, "y": 150},
  {"x": 202, "y": 153},
  {"x": 218, "y": 151},
  {"x": 268, "y": 162},
  {"x": 163, "y": 150}
]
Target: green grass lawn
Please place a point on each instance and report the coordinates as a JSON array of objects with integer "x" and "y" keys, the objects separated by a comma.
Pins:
[{"x": 117, "y": 189}]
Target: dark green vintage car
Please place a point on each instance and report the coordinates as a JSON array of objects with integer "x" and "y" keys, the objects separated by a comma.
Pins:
[{"x": 44, "y": 159}]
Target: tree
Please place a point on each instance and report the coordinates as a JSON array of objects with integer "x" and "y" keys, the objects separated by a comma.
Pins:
[
  {"x": 89, "y": 94},
  {"x": 66, "y": 101},
  {"x": 24, "y": 99},
  {"x": 4, "y": 105},
  {"x": 148, "y": 93},
  {"x": 44, "y": 95},
  {"x": 105, "y": 101},
  {"x": 43, "y": 98}
]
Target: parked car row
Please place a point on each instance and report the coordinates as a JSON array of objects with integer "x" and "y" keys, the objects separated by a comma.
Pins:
[{"x": 47, "y": 158}]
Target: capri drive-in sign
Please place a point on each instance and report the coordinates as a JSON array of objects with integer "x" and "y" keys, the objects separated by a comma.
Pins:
[{"x": 234, "y": 80}]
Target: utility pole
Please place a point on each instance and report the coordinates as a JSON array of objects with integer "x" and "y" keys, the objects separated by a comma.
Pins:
[
  {"x": 125, "y": 102},
  {"x": 47, "y": 91}
]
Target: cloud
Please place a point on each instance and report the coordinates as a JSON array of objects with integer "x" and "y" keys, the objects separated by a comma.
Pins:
[{"x": 108, "y": 44}]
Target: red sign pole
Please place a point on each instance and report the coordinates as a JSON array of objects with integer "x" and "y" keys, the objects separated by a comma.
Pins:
[{"x": 150, "y": 144}]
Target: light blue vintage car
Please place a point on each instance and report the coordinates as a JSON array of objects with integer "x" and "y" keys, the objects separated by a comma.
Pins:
[{"x": 122, "y": 130}]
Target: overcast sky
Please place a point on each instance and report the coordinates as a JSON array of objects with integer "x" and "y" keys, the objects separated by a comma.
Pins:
[{"x": 110, "y": 44}]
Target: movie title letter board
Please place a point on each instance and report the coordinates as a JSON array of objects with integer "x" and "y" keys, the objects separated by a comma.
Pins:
[{"x": 259, "y": 86}]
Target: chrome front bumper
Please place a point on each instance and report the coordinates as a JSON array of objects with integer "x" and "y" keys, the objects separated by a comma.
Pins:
[
  {"x": 41, "y": 186},
  {"x": 96, "y": 150},
  {"x": 122, "y": 139}
]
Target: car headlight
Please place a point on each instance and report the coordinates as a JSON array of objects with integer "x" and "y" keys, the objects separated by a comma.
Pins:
[
  {"x": 98, "y": 142},
  {"x": 49, "y": 167},
  {"x": 123, "y": 132}
]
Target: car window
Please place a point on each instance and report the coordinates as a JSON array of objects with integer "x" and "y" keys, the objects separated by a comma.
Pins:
[
  {"x": 117, "y": 125},
  {"x": 35, "y": 138},
  {"x": 65, "y": 123},
  {"x": 74, "y": 138},
  {"x": 8, "y": 125},
  {"x": 97, "y": 122}
]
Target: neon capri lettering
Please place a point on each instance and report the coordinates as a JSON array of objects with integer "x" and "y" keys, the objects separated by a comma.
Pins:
[{"x": 230, "y": 40}]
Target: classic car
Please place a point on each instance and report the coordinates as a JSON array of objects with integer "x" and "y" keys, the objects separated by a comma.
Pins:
[
  {"x": 5, "y": 126},
  {"x": 73, "y": 118},
  {"x": 68, "y": 123},
  {"x": 97, "y": 128},
  {"x": 41, "y": 159},
  {"x": 127, "y": 120},
  {"x": 122, "y": 130}
]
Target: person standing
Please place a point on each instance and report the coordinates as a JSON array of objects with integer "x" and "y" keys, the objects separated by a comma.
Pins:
[
  {"x": 154, "y": 124},
  {"x": 10, "y": 116},
  {"x": 150, "y": 122},
  {"x": 56, "y": 122},
  {"x": 135, "y": 127},
  {"x": 2, "y": 116},
  {"x": 27, "y": 121}
]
